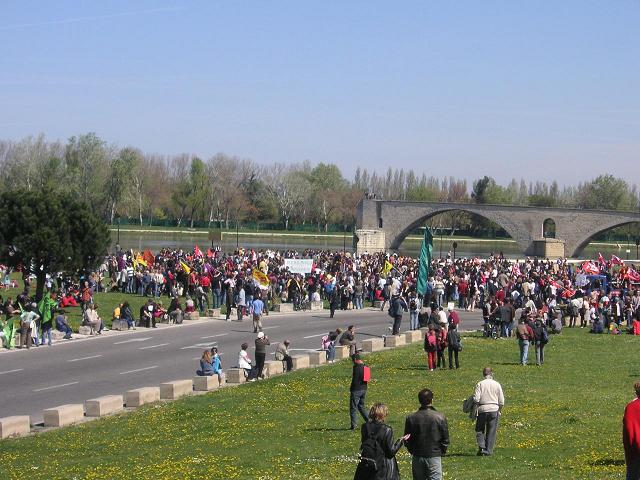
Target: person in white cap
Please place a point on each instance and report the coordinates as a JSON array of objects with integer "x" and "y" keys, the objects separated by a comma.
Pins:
[{"x": 261, "y": 352}]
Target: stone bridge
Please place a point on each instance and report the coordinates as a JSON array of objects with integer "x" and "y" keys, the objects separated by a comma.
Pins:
[{"x": 383, "y": 224}]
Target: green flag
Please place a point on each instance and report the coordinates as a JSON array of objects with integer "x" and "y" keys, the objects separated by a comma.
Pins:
[
  {"x": 9, "y": 334},
  {"x": 425, "y": 261}
]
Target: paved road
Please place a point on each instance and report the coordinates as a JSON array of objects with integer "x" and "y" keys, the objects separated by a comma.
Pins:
[{"x": 76, "y": 370}]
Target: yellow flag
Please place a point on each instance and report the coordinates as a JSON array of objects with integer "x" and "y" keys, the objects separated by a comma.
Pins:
[
  {"x": 140, "y": 260},
  {"x": 260, "y": 277},
  {"x": 387, "y": 267},
  {"x": 185, "y": 267}
]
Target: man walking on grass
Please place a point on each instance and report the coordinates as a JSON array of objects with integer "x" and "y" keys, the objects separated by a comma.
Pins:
[
  {"x": 489, "y": 398},
  {"x": 358, "y": 390},
  {"x": 428, "y": 441}
]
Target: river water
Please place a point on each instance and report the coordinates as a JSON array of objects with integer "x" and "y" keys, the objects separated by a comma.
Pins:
[{"x": 156, "y": 240}]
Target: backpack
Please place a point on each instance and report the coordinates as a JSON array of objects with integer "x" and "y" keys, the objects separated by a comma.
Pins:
[
  {"x": 430, "y": 343},
  {"x": 545, "y": 336},
  {"x": 412, "y": 304},
  {"x": 370, "y": 451},
  {"x": 325, "y": 342}
]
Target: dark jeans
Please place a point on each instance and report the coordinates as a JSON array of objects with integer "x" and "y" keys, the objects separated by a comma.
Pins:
[
  {"x": 260, "y": 363},
  {"x": 453, "y": 353},
  {"x": 289, "y": 361},
  {"x": 397, "y": 320},
  {"x": 633, "y": 469},
  {"x": 67, "y": 330},
  {"x": 486, "y": 429},
  {"x": 356, "y": 404},
  {"x": 441, "y": 362}
]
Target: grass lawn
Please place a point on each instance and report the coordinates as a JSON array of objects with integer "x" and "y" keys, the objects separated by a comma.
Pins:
[{"x": 562, "y": 421}]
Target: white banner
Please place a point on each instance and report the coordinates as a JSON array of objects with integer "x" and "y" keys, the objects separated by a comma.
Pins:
[{"x": 298, "y": 266}]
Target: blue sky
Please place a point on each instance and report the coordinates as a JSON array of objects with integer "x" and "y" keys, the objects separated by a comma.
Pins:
[{"x": 540, "y": 90}]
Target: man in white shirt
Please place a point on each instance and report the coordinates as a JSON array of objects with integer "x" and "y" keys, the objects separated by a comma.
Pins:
[{"x": 489, "y": 399}]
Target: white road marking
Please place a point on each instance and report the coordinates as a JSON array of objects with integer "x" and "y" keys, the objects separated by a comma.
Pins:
[
  {"x": 133, "y": 340},
  {"x": 54, "y": 386},
  {"x": 270, "y": 327},
  {"x": 12, "y": 371},
  {"x": 214, "y": 336},
  {"x": 154, "y": 346},
  {"x": 139, "y": 370},
  {"x": 200, "y": 345},
  {"x": 313, "y": 336},
  {"x": 84, "y": 358}
]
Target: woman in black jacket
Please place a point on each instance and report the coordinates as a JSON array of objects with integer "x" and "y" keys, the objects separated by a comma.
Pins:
[{"x": 378, "y": 446}]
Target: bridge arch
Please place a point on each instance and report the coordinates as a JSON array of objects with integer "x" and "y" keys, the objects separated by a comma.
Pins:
[
  {"x": 576, "y": 249},
  {"x": 396, "y": 237}
]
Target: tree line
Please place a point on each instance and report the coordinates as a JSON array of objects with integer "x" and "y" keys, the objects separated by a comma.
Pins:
[{"x": 223, "y": 190}]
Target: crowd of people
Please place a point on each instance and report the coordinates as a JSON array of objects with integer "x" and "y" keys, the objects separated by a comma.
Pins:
[{"x": 602, "y": 295}]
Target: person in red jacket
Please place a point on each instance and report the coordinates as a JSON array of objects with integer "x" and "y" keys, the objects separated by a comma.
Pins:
[{"x": 631, "y": 435}]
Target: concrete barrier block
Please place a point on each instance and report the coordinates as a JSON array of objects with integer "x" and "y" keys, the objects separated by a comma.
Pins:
[
  {"x": 63, "y": 415},
  {"x": 235, "y": 375},
  {"x": 318, "y": 358},
  {"x": 273, "y": 367},
  {"x": 283, "y": 307},
  {"x": 413, "y": 336},
  {"x": 342, "y": 352},
  {"x": 14, "y": 426},
  {"x": 394, "y": 340},
  {"x": 372, "y": 345},
  {"x": 300, "y": 361},
  {"x": 377, "y": 304},
  {"x": 101, "y": 406},
  {"x": 206, "y": 383},
  {"x": 119, "y": 325},
  {"x": 192, "y": 315},
  {"x": 213, "y": 312},
  {"x": 57, "y": 335},
  {"x": 142, "y": 396},
  {"x": 175, "y": 389},
  {"x": 317, "y": 305},
  {"x": 84, "y": 330}
]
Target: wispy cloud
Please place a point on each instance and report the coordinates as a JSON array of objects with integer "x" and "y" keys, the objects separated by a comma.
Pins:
[{"x": 64, "y": 21}]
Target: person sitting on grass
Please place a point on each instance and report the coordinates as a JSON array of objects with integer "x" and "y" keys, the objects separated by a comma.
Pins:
[{"x": 62, "y": 324}]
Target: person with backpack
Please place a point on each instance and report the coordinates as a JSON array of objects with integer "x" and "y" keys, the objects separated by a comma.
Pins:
[
  {"x": 455, "y": 345},
  {"x": 541, "y": 337},
  {"x": 377, "y": 448},
  {"x": 397, "y": 305},
  {"x": 358, "y": 390},
  {"x": 431, "y": 347}
]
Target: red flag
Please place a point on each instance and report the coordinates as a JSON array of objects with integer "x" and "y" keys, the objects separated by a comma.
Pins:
[
  {"x": 616, "y": 261},
  {"x": 590, "y": 268},
  {"x": 209, "y": 253},
  {"x": 149, "y": 258},
  {"x": 197, "y": 252},
  {"x": 601, "y": 258},
  {"x": 633, "y": 276}
]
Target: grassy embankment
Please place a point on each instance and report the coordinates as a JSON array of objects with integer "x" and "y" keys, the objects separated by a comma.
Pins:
[{"x": 562, "y": 421}]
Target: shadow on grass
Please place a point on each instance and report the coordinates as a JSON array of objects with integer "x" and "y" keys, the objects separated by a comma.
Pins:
[
  {"x": 507, "y": 363},
  {"x": 415, "y": 367},
  {"x": 327, "y": 429},
  {"x": 608, "y": 462},
  {"x": 461, "y": 455}
]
